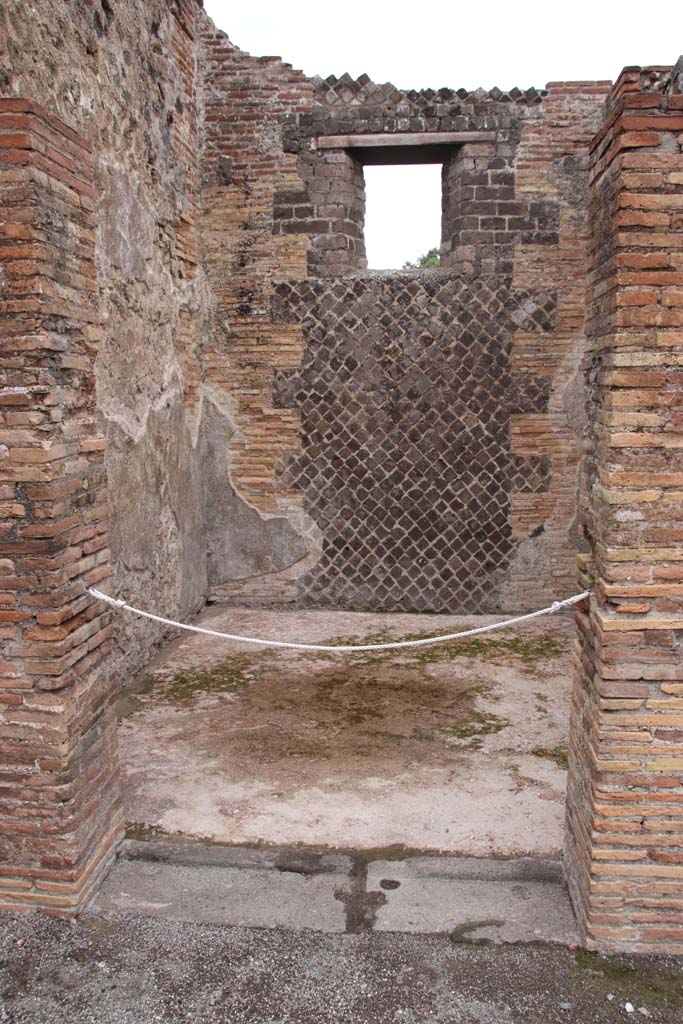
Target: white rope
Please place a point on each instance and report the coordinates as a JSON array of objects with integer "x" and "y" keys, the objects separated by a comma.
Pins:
[{"x": 556, "y": 606}]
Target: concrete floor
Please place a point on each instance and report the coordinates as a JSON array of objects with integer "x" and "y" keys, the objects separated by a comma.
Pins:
[{"x": 454, "y": 749}]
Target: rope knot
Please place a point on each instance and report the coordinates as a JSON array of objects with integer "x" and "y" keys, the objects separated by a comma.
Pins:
[
  {"x": 115, "y": 601},
  {"x": 556, "y": 606}
]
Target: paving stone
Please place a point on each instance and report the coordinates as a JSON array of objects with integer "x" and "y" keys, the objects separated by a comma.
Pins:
[
  {"x": 250, "y": 896},
  {"x": 496, "y": 901}
]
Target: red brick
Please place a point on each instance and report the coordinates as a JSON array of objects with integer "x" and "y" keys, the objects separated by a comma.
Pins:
[
  {"x": 632, "y": 140},
  {"x": 660, "y": 122},
  {"x": 642, "y": 297}
]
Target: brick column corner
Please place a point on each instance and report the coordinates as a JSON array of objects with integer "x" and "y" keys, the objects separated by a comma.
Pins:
[
  {"x": 624, "y": 846},
  {"x": 60, "y": 814}
]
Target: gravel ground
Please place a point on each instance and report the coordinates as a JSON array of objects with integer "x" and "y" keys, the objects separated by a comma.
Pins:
[{"x": 136, "y": 970}]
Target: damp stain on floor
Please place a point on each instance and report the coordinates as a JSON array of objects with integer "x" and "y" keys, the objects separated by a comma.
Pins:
[{"x": 455, "y": 748}]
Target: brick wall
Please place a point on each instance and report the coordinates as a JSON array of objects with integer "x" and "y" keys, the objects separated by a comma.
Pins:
[
  {"x": 478, "y": 176},
  {"x": 625, "y": 799},
  {"x": 551, "y": 171},
  {"x": 187, "y": 245},
  {"x": 100, "y": 284},
  {"x": 330, "y": 210},
  {"x": 60, "y": 813},
  {"x": 246, "y": 174}
]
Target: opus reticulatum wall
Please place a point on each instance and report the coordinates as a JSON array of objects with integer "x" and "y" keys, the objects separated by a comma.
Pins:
[{"x": 511, "y": 289}]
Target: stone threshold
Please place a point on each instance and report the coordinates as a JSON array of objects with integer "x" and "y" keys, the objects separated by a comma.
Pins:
[{"x": 470, "y": 899}]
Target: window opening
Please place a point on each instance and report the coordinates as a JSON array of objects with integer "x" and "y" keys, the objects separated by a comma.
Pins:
[{"x": 402, "y": 214}]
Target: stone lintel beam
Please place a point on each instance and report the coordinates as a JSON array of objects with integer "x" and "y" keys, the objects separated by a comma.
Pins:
[{"x": 401, "y": 139}]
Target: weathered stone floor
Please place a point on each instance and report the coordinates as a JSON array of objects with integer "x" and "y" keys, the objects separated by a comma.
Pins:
[
  {"x": 472, "y": 899},
  {"x": 458, "y": 748}
]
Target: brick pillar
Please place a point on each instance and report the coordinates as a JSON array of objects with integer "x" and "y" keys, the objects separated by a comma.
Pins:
[
  {"x": 624, "y": 850},
  {"x": 478, "y": 192},
  {"x": 60, "y": 812}
]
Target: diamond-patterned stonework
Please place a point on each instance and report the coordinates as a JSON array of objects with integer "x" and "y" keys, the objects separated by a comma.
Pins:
[
  {"x": 405, "y": 393},
  {"x": 359, "y": 92}
]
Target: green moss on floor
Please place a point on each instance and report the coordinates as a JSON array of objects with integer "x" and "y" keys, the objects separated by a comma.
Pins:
[
  {"x": 229, "y": 676},
  {"x": 141, "y": 832},
  {"x": 493, "y": 648},
  {"x": 557, "y": 754},
  {"x": 358, "y": 703},
  {"x": 644, "y": 983},
  {"x": 235, "y": 673},
  {"x": 496, "y": 649},
  {"x": 541, "y": 703},
  {"x": 478, "y": 724}
]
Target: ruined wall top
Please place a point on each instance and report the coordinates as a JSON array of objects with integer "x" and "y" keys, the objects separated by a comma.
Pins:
[
  {"x": 642, "y": 82},
  {"x": 347, "y": 91}
]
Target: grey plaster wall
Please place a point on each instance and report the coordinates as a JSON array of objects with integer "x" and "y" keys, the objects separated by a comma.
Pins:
[{"x": 241, "y": 543}]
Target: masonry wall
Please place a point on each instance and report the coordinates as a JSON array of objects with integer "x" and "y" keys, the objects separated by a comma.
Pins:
[
  {"x": 352, "y": 391},
  {"x": 246, "y": 100},
  {"x": 624, "y": 851},
  {"x": 210, "y": 193},
  {"x": 406, "y": 396},
  {"x": 203, "y": 389}
]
